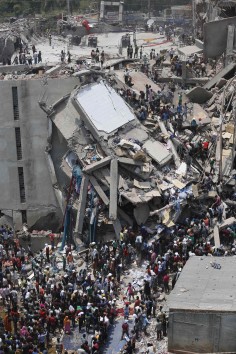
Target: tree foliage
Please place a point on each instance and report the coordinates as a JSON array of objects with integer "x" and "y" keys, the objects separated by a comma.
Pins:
[{"x": 30, "y": 7}]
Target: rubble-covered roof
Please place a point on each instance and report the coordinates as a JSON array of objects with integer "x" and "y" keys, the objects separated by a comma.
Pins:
[{"x": 202, "y": 287}]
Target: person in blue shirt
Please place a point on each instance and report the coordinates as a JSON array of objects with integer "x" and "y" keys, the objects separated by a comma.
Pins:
[{"x": 179, "y": 108}]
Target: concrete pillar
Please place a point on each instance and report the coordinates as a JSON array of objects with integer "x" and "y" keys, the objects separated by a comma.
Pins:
[
  {"x": 102, "y": 9},
  {"x": 121, "y": 12},
  {"x": 230, "y": 43},
  {"x": 184, "y": 70},
  {"x": 113, "y": 189},
  {"x": 82, "y": 205}
]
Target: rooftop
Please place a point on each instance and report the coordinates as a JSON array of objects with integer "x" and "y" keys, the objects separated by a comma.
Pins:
[
  {"x": 105, "y": 109},
  {"x": 201, "y": 287}
]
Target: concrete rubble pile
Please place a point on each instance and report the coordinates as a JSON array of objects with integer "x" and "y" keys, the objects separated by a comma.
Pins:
[
  {"x": 12, "y": 34},
  {"x": 133, "y": 169}
]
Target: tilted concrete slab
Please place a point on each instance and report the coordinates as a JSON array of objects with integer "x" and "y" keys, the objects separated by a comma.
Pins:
[
  {"x": 66, "y": 118},
  {"x": 200, "y": 114},
  {"x": 199, "y": 95},
  {"x": 128, "y": 161},
  {"x": 222, "y": 73},
  {"x": 104, "y": 109},
  {"x": 99, "y": 190},
  {"x": 158, "y": 152},
  {"x": 190, "y": 50},
  {"x": 139, "y": 80},
  {"x": 96, "y": 165}
]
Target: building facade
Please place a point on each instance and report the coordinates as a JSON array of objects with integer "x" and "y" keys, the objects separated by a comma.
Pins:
[{"x": 26, "y": 189}]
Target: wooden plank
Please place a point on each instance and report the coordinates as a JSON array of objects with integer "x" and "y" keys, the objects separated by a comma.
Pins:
[{"x": 99, "y": 190}]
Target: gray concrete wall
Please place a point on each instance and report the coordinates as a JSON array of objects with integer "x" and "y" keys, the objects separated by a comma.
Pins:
[
  {"x": 215, "y": 45},
  {"x": 7, "y": 48},
  {"x": 202, "y": 332},
  {"x": 40, "y": 198}
]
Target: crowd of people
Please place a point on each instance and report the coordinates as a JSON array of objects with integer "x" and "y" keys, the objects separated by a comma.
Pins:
[
  {"x": 43, "y": 300},
  {"x": 25, "y": 57},
  {"x": 47, "y": 295}
]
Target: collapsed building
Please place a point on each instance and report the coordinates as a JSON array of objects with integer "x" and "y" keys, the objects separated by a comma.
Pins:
[
  {"x": 124, "y": 167},
  {"x": 117, "y": 156}
]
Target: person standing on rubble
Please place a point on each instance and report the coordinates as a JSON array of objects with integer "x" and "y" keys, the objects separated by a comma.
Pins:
[
  {"x": 47, "y": 250},
  {"x": 128, "y": 51},
  {"x": 68, "y": 57},
  {"x": 50, "y": 39},
  {"x": 35, "y": 56},
  {"x": 125, "y": 329},
  {"x": 194, "y": 125},
  {"x": 102, "y": 58},
  {"x": 126, "y": 75},
  {"x": 39, "y": 57},
  {"x": 62, "y": 56},
  {"x": 141, "y": 52},
  {"x": 185, "y": 111},
  {"x": 131, "y": 52},
  {"x": 158, "y": 329},
  {"x": 217, "y": 202}
]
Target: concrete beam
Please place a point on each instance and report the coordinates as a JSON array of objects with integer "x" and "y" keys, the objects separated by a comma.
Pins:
[
  {"x": 124, "y": 216},
  {"x": 113, "y": 189},
  {"x": 117, "y": 227},
  {"x": 128, "y": 161},
  {"x": 156, "y": 212},
  {"x": 174, "y": 152},
  {"x": 96, "y": 165},
  {"x": 99, "y": 190},
  {"x": 82, "y": 205}
]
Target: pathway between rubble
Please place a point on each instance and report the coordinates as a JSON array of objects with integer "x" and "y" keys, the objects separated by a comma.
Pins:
[{"x": 113, "y": 344}]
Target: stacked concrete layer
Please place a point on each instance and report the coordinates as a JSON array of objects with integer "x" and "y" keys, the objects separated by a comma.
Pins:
[
  {"x": 33, "y": 124},
  {"x": 202, "y": 307}
]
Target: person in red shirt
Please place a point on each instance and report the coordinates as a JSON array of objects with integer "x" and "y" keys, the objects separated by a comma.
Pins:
[
  {"x": 137, "y": 302},
  {"x": 155, "y": 269},
  {"x": 52, "y": 240},
  {"x": 166, "y": 280},
  {"x": 205, "y": 146},
  {"x": 217, "y": 202},
  {"x": 125, "y": 329}
]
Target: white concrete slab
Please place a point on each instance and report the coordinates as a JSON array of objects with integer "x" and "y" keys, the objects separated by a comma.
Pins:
[
  {"x": 189, "y": 50},
  {"x": 106, "y": 110},
  {"x": 157, "y": 151}
]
